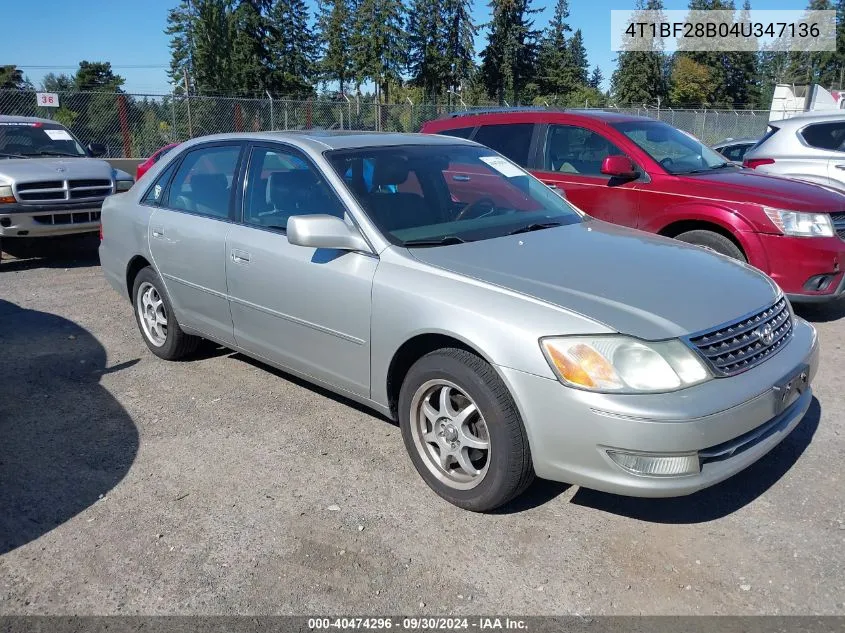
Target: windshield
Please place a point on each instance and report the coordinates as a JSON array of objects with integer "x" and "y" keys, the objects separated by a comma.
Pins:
[
  {"x": 430, "y": 195},
  {"x": 676, "y": 151},
  {"x": 37, "y": 139}
]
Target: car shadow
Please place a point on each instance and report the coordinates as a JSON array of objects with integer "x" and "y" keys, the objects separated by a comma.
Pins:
[
  {"x": 820, "y": 312},
  {"x": 65, "y": 441},
  {"x": 71, "y": 251},
  {"x": 717, "y": 501},
  {"x": 538, "y": 493}
]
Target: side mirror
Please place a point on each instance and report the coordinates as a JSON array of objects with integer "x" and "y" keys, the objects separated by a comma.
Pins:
[
  {"x": 618, "y": 166},
  {"x": 324, "y": 231},
  {"x": 96, "y": 149}
]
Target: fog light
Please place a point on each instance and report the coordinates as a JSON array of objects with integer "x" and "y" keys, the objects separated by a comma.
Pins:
[{"x": 657, "y": 465}]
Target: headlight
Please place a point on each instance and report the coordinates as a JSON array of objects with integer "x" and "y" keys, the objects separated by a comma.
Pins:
[
  {"x": 620, "y": 364},
  {"x": 801, "y": 224},
  {"x": 123, "y": 185},
  {"x": 6, "y": 195}
]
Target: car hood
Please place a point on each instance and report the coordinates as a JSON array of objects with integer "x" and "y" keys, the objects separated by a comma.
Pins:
[
  {"x": 747, "y": 185},
  {"x": 22, "y": 170},
  {"x": 633, "y": 282}
]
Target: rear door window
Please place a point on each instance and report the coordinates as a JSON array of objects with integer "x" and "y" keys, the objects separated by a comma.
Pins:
[
  {"x": 460, "y": 132},
  {"x": 830, "y": 136},
  {"x": 512, "y": 140},
  {"x": 203, "y": 182}
]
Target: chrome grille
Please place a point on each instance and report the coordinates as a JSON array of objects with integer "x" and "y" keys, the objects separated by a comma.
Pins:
[
  {"x": 53, "y": 190},
  {"x": 838, "y": 224},
  {"x": 734, "y": 348}
]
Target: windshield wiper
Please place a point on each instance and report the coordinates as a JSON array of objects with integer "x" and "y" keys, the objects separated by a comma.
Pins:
[
  {"x": 7, "y": 155},
  {"x": 437, "y": 241},
  {"x": 700, "y": 171},
  {"x": 50, "y": 152},
  {"x": 537, "y": 226}
]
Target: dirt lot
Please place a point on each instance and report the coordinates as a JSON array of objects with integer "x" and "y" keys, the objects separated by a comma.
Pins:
[{"x": 219, "y": 486}]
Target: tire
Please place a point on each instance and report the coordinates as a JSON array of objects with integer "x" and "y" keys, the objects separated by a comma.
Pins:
[
  {"x": 169, "y": 341},
  {"x": 503, "y": 470},
  {"x": 713, "y": 241}
]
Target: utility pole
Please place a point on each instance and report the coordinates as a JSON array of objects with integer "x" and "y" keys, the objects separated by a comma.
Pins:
[{"x": 188, "y": 101}]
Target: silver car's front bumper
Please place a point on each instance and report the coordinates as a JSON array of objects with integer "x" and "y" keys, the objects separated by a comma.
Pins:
[{"x": 729, "y": 422}]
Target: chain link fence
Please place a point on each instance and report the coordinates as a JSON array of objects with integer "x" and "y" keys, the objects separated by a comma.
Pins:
[{"x": 135, "y": 125}]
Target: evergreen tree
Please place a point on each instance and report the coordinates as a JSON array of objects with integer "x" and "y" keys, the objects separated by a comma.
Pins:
[
  {"x": 555, "y": 74},
  {"x": 56, "y": 83},
  {"x": 508, "y": 59},
  {"x": 378, "y": 43},
  {"x": 578, "y": 58},
  {"x": 426, "y": 52},
  {"x": 251, "y": 58},
  {"x": 201, "y": 45},
  {"x": 11, "y": 78},
  {"x": 743, "y": 73},
  {"x": 459, "y": 35},
  {"x": 333, "y": 35},
  {"x": 596, "y": 78},
  {"x": 292, "y": 48},
  {"x": 97, "y": 77},
  {"x": 640, "y": 75}
]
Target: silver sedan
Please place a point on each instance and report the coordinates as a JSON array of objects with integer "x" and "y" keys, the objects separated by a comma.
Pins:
[{"x": 435, "y": 281}]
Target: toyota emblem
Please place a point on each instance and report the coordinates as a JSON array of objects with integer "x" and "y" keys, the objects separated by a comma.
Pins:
[{"x": 766, "y": 334}]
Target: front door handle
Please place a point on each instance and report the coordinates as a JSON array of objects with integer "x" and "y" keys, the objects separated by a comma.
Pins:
[
  {"x": 840, "y": 166},
  {"x": 240, "y": 257},
  {"x": 158, "y": 232}
]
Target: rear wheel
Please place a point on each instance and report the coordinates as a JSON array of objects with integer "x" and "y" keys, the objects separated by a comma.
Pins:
[
  {"x": 463, "y": 432},
  {"x": 712, "y": 241},
  {"x": 154, "y": 315}
]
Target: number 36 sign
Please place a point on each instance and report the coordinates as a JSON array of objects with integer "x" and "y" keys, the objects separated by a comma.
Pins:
[{"x": 47, "y": 99}]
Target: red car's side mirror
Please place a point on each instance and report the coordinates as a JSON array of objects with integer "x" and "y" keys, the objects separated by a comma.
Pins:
[{"x": 618, "y": 166}]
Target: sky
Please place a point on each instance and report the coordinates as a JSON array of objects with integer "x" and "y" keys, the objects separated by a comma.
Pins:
[{"x": 55, "y": 35}]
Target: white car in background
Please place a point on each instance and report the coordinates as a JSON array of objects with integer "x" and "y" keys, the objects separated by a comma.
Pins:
[{"x": 808, "y": 146}]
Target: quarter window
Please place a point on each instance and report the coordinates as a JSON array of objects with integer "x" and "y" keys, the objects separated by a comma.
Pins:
[
  {"x": 283, "y": 184},
  {"x": 203, "y": 182},
  {"x": 829, "y": 136},
  {"x": 511, "y": 140},
  {"x": 576, "y": 150},
  {"x": 155, "y": 194}
]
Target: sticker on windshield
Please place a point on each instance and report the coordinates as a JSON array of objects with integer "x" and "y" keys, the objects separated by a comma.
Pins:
[
  {"x": 58, "y": 135},
  {"x": 504, "y": 167}
]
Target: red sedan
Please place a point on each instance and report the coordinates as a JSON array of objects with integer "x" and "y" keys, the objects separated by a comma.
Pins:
[
  {"x": 646, "y": 174},
  {"x": 152, "y": 160}
]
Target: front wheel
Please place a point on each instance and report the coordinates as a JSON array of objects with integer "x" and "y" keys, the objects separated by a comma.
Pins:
[
  {"x": 463, "y": 432},
  {"x": 154, "y": 315},
  {"x": 712, "y": 241}
]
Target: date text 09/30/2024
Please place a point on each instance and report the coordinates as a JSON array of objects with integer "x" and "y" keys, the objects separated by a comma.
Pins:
[{"x": 418, "y": 623}]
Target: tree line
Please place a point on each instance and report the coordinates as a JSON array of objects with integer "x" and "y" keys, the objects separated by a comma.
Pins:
[{"x": 424, "y": 50}]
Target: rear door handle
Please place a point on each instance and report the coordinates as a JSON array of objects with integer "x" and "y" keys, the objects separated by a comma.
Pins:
[
  {"x": 158, "y": 232},
  {"x": 240, "y": 257}
]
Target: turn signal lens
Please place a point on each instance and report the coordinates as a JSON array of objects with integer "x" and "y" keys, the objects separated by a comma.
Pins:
[{"x": 6, "y": 196}]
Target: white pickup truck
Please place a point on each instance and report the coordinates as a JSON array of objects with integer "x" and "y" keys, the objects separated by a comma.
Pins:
[{"x": 49, "y": 183}]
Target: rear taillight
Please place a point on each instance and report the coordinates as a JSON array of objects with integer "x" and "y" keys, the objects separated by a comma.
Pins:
[
  {"x": 754, "y": 163},
  {"x": 101, "y": 231}
]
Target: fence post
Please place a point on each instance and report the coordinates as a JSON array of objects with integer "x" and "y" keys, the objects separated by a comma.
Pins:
[
  {"x": 124, "y": 126},
  {"x": 173, "y": 115},
  {"x": 272, "y": 120}
]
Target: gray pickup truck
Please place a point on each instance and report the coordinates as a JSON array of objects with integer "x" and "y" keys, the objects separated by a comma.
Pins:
[{"x": 49, "y": 183}]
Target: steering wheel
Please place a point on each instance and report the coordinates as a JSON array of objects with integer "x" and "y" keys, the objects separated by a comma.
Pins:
[
  {"x": 666, "y": 162},
  {"x": 478, "y": 204}
]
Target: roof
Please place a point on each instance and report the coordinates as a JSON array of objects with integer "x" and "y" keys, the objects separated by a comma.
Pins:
[
  {"x": 6, "y": 118},
  {"x": 802, "y": 118},
  {"x": 606, "y": 115},
  {"x": 321, "y": 140}
]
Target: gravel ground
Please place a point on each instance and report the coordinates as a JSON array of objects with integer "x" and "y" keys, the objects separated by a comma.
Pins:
[{"x": 217, "y": 485}]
